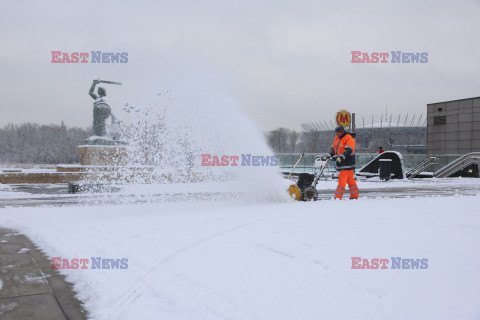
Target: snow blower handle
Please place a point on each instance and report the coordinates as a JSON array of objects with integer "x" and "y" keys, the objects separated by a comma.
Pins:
[
  {"x": 296, "y": 164},
  {"x": 326, "y": 158}
]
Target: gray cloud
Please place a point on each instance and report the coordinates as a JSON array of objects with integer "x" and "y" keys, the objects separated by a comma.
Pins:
[{"x": 285, "y": 62}]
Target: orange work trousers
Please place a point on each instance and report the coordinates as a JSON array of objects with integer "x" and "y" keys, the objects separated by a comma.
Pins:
[{"x": 346, "y": 176}]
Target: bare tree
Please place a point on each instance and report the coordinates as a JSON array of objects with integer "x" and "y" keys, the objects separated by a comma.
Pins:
[
  {"x": 293, "y": 139},
  {"x": 278, "y": 140},
  {"x": 35, "y": 143}
]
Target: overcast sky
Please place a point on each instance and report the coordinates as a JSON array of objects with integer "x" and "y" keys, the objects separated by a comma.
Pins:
[{"x": 284, "y": 62}]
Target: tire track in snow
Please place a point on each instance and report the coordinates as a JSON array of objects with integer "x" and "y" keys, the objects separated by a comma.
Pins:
[
  {"x": 288, "y": 255},
  {"x": 147, "y": 279}
]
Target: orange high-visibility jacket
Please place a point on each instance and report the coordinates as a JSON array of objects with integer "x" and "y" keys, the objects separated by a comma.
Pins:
[{"x": 345, "y": 148}]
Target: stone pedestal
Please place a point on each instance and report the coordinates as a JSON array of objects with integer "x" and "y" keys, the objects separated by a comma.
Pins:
[
  {"x": 105, "y": 164},
  {"x": 103, "y": 141},
  {"x": 93, "y": 155}
]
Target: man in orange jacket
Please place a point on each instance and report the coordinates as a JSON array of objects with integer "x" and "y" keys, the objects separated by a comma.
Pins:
[{"x": 343, "y": 152}]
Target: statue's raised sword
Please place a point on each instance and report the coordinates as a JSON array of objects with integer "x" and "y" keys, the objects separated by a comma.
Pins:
[{"x": 109, "y": 82}]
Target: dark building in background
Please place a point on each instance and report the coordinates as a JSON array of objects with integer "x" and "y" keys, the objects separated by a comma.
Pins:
[{"x": 453, "y": 127}]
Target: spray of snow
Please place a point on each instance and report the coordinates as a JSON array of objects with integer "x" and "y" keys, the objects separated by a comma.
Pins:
[{"x": 167, "y": 137}]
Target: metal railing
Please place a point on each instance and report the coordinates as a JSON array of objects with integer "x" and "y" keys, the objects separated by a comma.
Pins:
[
  {"x": 448, "y": 163},
  {"x": 458, "y": 164},
  {"x": 421, "y": 167}
]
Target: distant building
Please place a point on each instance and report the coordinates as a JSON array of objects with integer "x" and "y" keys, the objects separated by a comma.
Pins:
[
  {"x": 453, "y": 127},
  {"x": 403, "y": 133}
]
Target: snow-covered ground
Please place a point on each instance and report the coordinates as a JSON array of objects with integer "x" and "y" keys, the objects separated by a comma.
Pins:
[
  {"x": 270, "y": 260},
  {"x": 243, "y": 250},
  {"x": 59, "y": 192}
]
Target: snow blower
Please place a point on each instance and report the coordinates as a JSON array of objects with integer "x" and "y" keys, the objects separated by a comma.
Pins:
[{"x": 305, "y": 188}]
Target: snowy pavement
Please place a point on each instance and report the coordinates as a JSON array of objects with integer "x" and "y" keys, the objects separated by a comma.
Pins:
[
  {"x": 269, "y": 260},
  {"x": 57, "y": 194},
  {"x": 29, "y": 288}
]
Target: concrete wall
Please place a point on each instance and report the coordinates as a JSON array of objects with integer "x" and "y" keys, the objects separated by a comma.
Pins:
[{"x": 460, "y": 133}]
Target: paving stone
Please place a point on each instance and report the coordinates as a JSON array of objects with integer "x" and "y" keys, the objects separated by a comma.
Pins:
[
  {"x": 31, "y": 288},
  {"x": 33, "y": 307}
]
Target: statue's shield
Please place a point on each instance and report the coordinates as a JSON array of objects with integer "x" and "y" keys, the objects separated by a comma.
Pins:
[{"x": 101, "y": 111}]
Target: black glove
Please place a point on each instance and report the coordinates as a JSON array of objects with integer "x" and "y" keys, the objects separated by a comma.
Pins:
[{"x": 338, "y": 158}]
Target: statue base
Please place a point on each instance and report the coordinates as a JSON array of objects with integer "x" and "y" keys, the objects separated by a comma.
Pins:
[
  {"x": 103, "y": 141},
  {"x": 103, "y": 155}
]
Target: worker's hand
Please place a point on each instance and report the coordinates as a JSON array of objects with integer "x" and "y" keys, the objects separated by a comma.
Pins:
[{"x": 338, "y": 159}]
